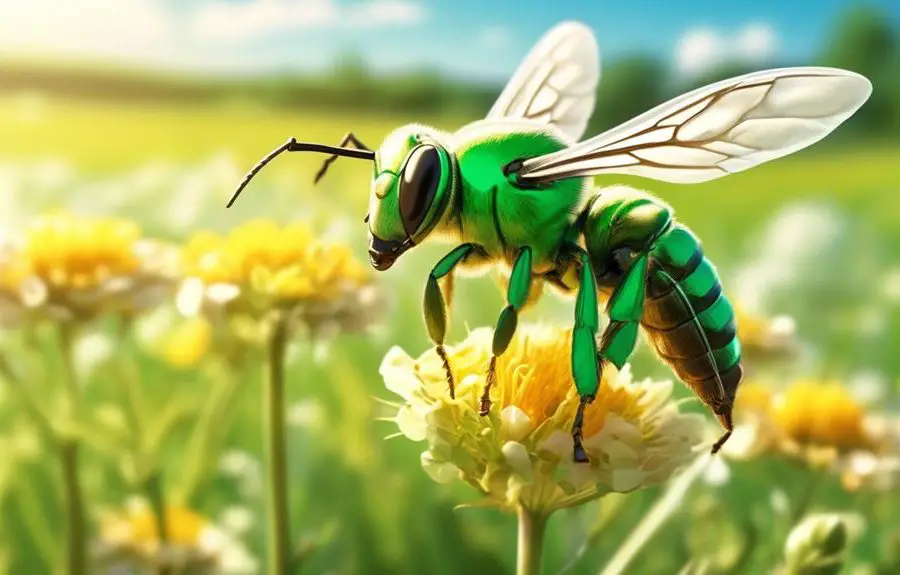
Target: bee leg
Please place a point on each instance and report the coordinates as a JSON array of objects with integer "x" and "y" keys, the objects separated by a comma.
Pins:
[
  {"x": 435, "y": 307},
  {"x": 625, "y": 308},
  {"x": 585, "y": 367},
  {"x": 349, "y": 138},
  {"x": 517, "y": 296}
]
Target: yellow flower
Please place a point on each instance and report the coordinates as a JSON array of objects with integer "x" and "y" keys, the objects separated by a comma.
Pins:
[
  {"x": 821, "y": 413},
  {"x": 66, "y": 266},
  {"x": 188, "y": 343},
  {"x": 260, "y": 267},
  {"x": 521, "y": 455},
  {"x": 764, "y": 338},
  {"x": 821, "y": 424},
  {"x": 192, "y": 539}
]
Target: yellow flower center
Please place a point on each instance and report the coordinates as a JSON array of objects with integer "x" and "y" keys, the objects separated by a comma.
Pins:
[
  {"x": 70, "y": 252},
  {"x": 287, "y": 262},
  {"x": 138, "y": 528},
  {"x": 534, "y": 374},
  {"x": 822, "y": 414}
]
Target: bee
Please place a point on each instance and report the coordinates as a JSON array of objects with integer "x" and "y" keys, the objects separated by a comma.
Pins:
[{"x": 514, "y": 191}]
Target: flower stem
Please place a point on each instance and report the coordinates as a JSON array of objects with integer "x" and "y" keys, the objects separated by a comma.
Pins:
[
  {"x": 76, "y": 537},
  {"x": 76, "y": 544},
  {"x": 531, "y": 541},
  {"x": 154, "y": 489},
  {"x": 276, "y": 451},
  {"x": 205, "y": 441}
]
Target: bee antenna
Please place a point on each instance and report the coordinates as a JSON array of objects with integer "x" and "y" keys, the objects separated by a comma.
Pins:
[{"x": 293, "y": 145}]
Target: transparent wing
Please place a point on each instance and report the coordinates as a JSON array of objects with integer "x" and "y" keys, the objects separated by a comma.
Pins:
[
  {"x": 716, "y": 130},
  {"x": 556, "y": 83}
]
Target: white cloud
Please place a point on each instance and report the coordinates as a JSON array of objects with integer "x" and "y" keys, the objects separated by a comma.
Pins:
[
  {"x": 236, "y": 22},
  {"x": 113, "y": 27},
  {"x": 181, "y": 34},
  {"x": 757, "y": 42},
  {"x": 494, "y": 37},
  {"x": 701, "y": 49},
  {"x": 698, "y": 50}
]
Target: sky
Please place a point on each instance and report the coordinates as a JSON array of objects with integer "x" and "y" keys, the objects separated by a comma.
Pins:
[{"x": 479, "y": 39}]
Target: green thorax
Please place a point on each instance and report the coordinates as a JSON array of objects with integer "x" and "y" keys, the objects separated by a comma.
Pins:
[{"x": 500, "y": 217}]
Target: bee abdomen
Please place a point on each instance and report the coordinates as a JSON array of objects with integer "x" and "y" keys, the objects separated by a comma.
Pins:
[{"x": 689, "y": 321}]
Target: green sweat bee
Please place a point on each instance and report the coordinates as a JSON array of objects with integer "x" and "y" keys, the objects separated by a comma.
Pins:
[{"x": 515, "y": 190}]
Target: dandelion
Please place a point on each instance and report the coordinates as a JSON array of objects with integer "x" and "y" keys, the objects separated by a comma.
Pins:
[
  {"x": 765, "y": 338},
  {"x": 69, "y": 270},
  {"x": 820, "y": 424},
  {"x": 193, "y": 542},
  {"x": 268, "y": 282},
  {"x": 519, "y": 457},
  {"x": 66, "y": 267},
  {"x": 261, "y": 268}
]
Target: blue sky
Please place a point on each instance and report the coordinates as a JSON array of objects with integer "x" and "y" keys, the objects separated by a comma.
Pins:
[{"x": 476, "y": 38}]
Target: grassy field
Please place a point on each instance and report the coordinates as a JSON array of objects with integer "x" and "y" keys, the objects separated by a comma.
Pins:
[{"x": 366, "y": 503}]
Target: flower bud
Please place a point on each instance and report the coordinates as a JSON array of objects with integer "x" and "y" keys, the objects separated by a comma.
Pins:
[{"x": 816, "y": 546}]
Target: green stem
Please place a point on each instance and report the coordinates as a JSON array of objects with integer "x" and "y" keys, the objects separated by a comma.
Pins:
[
  {"x": 28, "y": 400},
  {"x": 807, "y": 496},
  {"x": 205, "y": 441},
  {"x": 76, "y": 536},
  {"x": 153, "y": 488},
  {"x": 664, "y": 507},
  {"x": 276, "y": 451},
  {"x": 76, "y": 541},
  {"x": 34, "y": 520},
  {"x": 531, "y": 541}
]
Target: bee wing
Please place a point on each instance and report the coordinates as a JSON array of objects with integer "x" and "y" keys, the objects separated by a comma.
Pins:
[
  {"x": 556, "y": 83},
  {"x": 720, "y": 129}
]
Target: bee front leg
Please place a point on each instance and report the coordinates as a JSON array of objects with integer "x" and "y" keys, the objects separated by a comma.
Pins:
[
  {"x": 517, "y": 296},
  {"x": 625, "y": 308},
  {"x": 435, "y": 306}
]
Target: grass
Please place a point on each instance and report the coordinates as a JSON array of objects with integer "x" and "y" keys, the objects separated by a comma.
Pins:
[{"x": 388, "y": 516}]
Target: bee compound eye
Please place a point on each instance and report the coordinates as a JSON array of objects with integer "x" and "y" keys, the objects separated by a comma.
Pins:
[{"x": 418, "y": 186}]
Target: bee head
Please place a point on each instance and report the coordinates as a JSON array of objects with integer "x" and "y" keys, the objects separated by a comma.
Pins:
[{"x": 413, "y": 175}]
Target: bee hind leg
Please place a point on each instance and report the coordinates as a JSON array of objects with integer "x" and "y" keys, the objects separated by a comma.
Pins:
[{"x": 625, "y": 309}]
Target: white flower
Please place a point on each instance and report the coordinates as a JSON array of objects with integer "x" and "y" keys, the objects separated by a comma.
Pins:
[{"x": 522, "y": 453}]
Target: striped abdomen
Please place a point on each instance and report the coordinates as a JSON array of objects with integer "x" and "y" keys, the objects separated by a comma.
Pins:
[{"x": 689, "y": 320}]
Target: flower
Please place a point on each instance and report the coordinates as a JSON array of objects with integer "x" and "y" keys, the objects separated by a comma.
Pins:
[
  {"x": 187, "y": 343},
  {"x": 521, "y": 454},
  {"x": 192, "y": 540},
  {"x": 820, "y": 542},
  {"x": 821, "y": 424},
  {"x": 261, "y": 267},
  {"x": 765, "y": 338},
  {"x": 73, "y": 267}
]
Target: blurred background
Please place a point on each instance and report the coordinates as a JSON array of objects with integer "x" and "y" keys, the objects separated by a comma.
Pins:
[{"x": 152, "y": 110}]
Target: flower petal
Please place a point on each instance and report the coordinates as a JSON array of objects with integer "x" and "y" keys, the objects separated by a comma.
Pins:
[
  {"x": 625, "y": 479},
  {"x": 440, "y": 471},
  {"x": 189, "y": 298},
  {"x": 517, "y": 457},
  {"x": 412, "y": 425},
  {"x": 514, "y": 423},
  {"x": 558, "y": 443}
]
